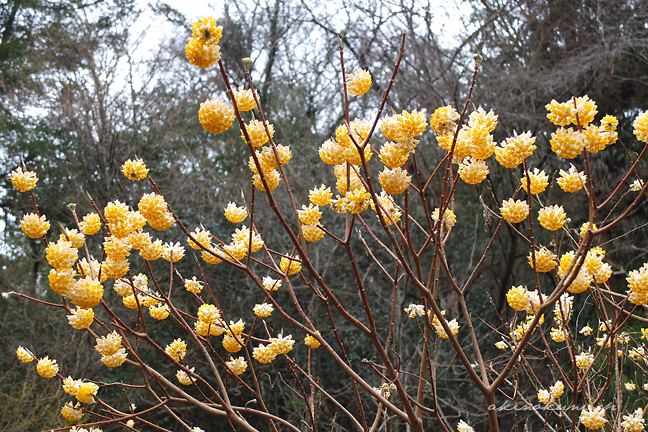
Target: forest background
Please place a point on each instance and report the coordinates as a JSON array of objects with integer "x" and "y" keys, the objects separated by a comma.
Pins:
[{"x": 76, "y": 102}]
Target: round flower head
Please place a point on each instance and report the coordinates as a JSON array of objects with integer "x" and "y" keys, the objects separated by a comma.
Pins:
[
  {"x": 567, "y": 143},
  {"x": 462, "y": 426},
  {"x": 352, "y": 155},
  {"x": 638, "y": 279},
  {"x": 272, "y": 178},
  {"x": 480, "y": 142},
  {"x": 159, "y": 312},
  {"x": 263, "y": 354},
  {"x": 71, "y": 413},
  {"x": 281, "y": 345},
  {"x": 109, "y": 344},
  {"x": 634, "y": 422},
  {"x": 73, "y": 236},
  {"x": 117, "y": 249},
  {"x": 86, "y": 392},
  {"x": 116, "y": 359},
  {"x": 183, "y": 377},
  {"x": 596, "y": 138},
  {"x": 263, "y": 310},
  {"x": 449, "y": 218},
  {"x": 81, "y": 318},
  {"x": 271, "y": 284},
  {"x": 473, "y": 171},
  {"x": 309, "y": 215},
  {"x": 135, "y": 169},
  {"x": 630, "y": 386},
  {"x": 202, "y": 237},
  {"x": 61, "y": 255},
  {"x": 257, "y": 133},
  {"x": 357, "y": 201},
  {"x": 91, "y": 224},
  {"x": 155, "y": 210},
  {"x": 585, "y": 227},
  {"x": 237, "y": 327},
  {"x": 192, "y": 285},
  {"x": 544, "y": 397},
  {"x": 209, "y": 314},
  {"x": 388, "y": 205},
  {"x": 580, "y": 283},
  {"x": 545, "y": 260},
  {"x": 412, "y": 124},
  {"x": 237, "y": 365},
  {"x": 62, "y": 282},
  {"x": 206, "y": 31},
  {"x": 210, "y": 257},
  {"x": 557, "y": 335},
  {"x": 359, "y": 82},
  {"x": 24, "y": 355},
  {"x": 480, "y": 117},
  {"x": 312, "y": 233},
  {"x": 173, "y": 252},
  {"x": 311, "y": 342},
  {"x": 359, "y": 132},
  {"x": 454, "y": 328},
  {"x": 517, "y": 298},
  {"x": 514, "y": 211},
  {"x": 391, "y": 128},
  {"x": 561, "y": 114},
  {"x": 245, "y": 99},
  {"x": 332, "y": 153},
  {"x": 152, "y": 250},
  {"x": 640, "y": 126},
  {"x": 552, "y": 217},
  {"x": 320, "y": 196},
  {"x": 202, "y": 55},
  {"x": 47, "y": 368},
  {"x": 34, "y": 226},
  {"x": 394, "y": 181},
  {"x": 585, "y": 110},
  {"x": 289, "y": 266},
  {"x": 235, "y": 214},
  {"x": 539, "y": 181},
  {"x": 392, "y": 155},
  {"x": 443, "y": 120},
  {"x": 232, "y": 344},
  {"x": 216, "y": 116},
  {"x": 176, "y": 349},
  {"x": 23, "y": 181},
  {"x": 507, "y": 156},
  {"x": 87, "y": 293},
  {"x": 571, "y": 181},
  {"x": 584, "y": 360},
  {"x": 593, "y": 418}
]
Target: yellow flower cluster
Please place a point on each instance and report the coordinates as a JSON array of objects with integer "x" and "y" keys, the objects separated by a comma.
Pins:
[
  {"x": 452, "y": 324},
  {"x": 71, "y": 413},
  {"x": 24, "y": 355},
  {"x": 81, "y": 318},
  {"x": 91, "y": 224},
  {"x": 359, "y": 82},
  {"x": 155, "y": 210},
  {"x": 394, "y": 181},
  {"x": 216, "y": 116},
  {"x": 593, "y": 418},
  {"x": 290, "y": 266},
  {"x": 552, "y": 217},
  {"x": 47, "y": 368},
  {"x": 176, "y": 349},
  {"x": 545, "y": 260},
  {"x": 593, "y": 269},
  {"x": 571, "y": 181},
  {"x": 474, "y": 140},
  {"x": 235, "y": 214},
  {"x": 443, "y": 120},
  {"x": 203, "y": 50},
  {"x": 277, "y": 346},
  {"x": 263, "y": 310},
  {"x": 521, "y": 299},
  {"x": 135, "y": 169},
  {"x": 514, "y": 211},
  {"x": 449, "y": 218},
  {"x": 237, "y": 365},
  {"x": 638, "y": 285},
  {"x": 34, "y": 226},
  {"x": 387, "y": 205},
  {"x": 311, "y": 342},
  {"x": 538, "y": 179},
  {"x": 109, "y": 346},
  {"x": 633, "y": 422},
  {"x": 23, "y": 181},
  {"x": 233, "y": 339},
  {"x": 640, "y": 126},
  {"x": 245, "y": 99},
  {"x": 514, "y": 150},
  {"x": 183, "y": 377},
  {"x": 473, "y": 171}
]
